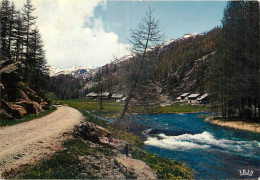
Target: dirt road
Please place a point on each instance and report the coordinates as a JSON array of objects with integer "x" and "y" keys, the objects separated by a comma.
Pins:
[{"x": 36, "y": 139}]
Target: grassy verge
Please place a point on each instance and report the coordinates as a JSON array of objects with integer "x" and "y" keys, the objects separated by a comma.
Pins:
[
  {"x": 113, "y": 109},
  {"x": 26, "y": 118},
  {"x": 179, "y": 107}
]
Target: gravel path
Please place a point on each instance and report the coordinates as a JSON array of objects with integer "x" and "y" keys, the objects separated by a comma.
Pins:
[{"x": 33, "y": 140}]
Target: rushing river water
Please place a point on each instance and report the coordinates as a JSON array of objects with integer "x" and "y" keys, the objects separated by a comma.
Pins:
[{"x": 211, "y": 151}]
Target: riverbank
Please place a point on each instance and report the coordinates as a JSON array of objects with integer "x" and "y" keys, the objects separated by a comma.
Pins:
[{"x": 240, "y": 125}]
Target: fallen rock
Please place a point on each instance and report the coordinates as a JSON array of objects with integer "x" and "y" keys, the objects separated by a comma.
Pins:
[
  {"x": 134, "y": 169},
  {"x": 92, "y": 132},
  {"x": 88, "y": 131}
]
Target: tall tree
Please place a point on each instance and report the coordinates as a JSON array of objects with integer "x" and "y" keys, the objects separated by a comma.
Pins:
[
  {"x": 38, "y": 61},
  {"x": 146, "y": 35},
  {"x": 29, "y": 21},
  {"x": 18, "y": 32},
  {"x": 5, "y": 14}
]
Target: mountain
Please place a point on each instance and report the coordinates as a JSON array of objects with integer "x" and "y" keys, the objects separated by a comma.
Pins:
[
  {"x": 77, "y": 71},
  {"x": 179, "y": 65}
]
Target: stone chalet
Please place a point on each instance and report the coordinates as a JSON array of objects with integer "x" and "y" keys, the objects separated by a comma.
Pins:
[
  {"x": 194, "y": 98},
  {"x": 204, "y": 99}
]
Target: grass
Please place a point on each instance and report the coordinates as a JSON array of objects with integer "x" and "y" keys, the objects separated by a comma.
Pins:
[
  {"x": 163, "y": 168},
  {"x": 26, "y": 118},
  {"x": 113, "y": 109},
  {"x": 64, "y": 164}
]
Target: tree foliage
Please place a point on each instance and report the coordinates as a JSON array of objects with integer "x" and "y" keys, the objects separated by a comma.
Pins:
[
  {"x": 235, "y": 73},
  {"x": 21, "y": 42}
]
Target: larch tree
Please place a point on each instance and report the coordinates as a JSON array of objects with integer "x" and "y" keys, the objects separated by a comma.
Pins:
[{"x": 147, "y": 34}]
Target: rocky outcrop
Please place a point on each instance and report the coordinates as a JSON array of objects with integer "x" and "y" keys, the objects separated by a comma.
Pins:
[
  {"x": 134, "y": 169},
  {"x": 116, "y": 166},
  {"x": 17, "y": 98},
  {"x": 5, "y": 115}
]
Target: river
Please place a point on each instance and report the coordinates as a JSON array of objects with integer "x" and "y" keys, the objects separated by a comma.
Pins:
[{"x": 210, "y": 150}]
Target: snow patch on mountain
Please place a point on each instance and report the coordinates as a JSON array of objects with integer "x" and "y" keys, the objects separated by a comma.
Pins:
[{"x": 54, "y": 71}]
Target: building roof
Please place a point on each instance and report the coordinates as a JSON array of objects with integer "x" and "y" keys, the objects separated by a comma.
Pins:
[
  {"x": 193, "y": 95},
  {"x": 179, "y": 97},
  {"x": 105, "y": 94},
  {"x": 203, "y": 96},
  {"x": 124, "y": 98},
  {"x": 92, "y": 94},
  {"x": 184, "y": 94},
  {"x": 117, "y": 96}
]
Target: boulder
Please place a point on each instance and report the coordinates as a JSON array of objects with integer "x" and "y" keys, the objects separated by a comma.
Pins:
[
  {"x": 29, "y": 106},
  {"x": 92, "y": 132},
  {"x": 15, "y": 110},
  {"x": 88, "y": 131},
  {"x": 5, "y": 115},
  {"x": 134, "y": 169},
  {"x": 102, "y": 132},
  {"x": 9, "y": 68}
]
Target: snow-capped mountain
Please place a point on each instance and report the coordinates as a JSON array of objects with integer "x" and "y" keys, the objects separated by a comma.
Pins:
[
  {"x": 83, "y": 72},
  {"x": 54, "y": 71},
  {"x": 189, "y": 35}
]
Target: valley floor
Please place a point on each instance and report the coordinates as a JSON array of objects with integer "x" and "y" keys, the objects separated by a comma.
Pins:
[{"x": 241, "y": 125}]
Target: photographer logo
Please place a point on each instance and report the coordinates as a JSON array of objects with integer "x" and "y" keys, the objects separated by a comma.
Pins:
[{"x": 246, "y": 172}]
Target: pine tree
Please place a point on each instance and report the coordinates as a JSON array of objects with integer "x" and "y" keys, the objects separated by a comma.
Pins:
[
  {"x": 38, "y": 62},
  {"x": 29, "y": 21},
  {"x": 18, "y": 32}
]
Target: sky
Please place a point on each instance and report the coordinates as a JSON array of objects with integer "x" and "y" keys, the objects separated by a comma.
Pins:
[{"x": 95, "y": 32}]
